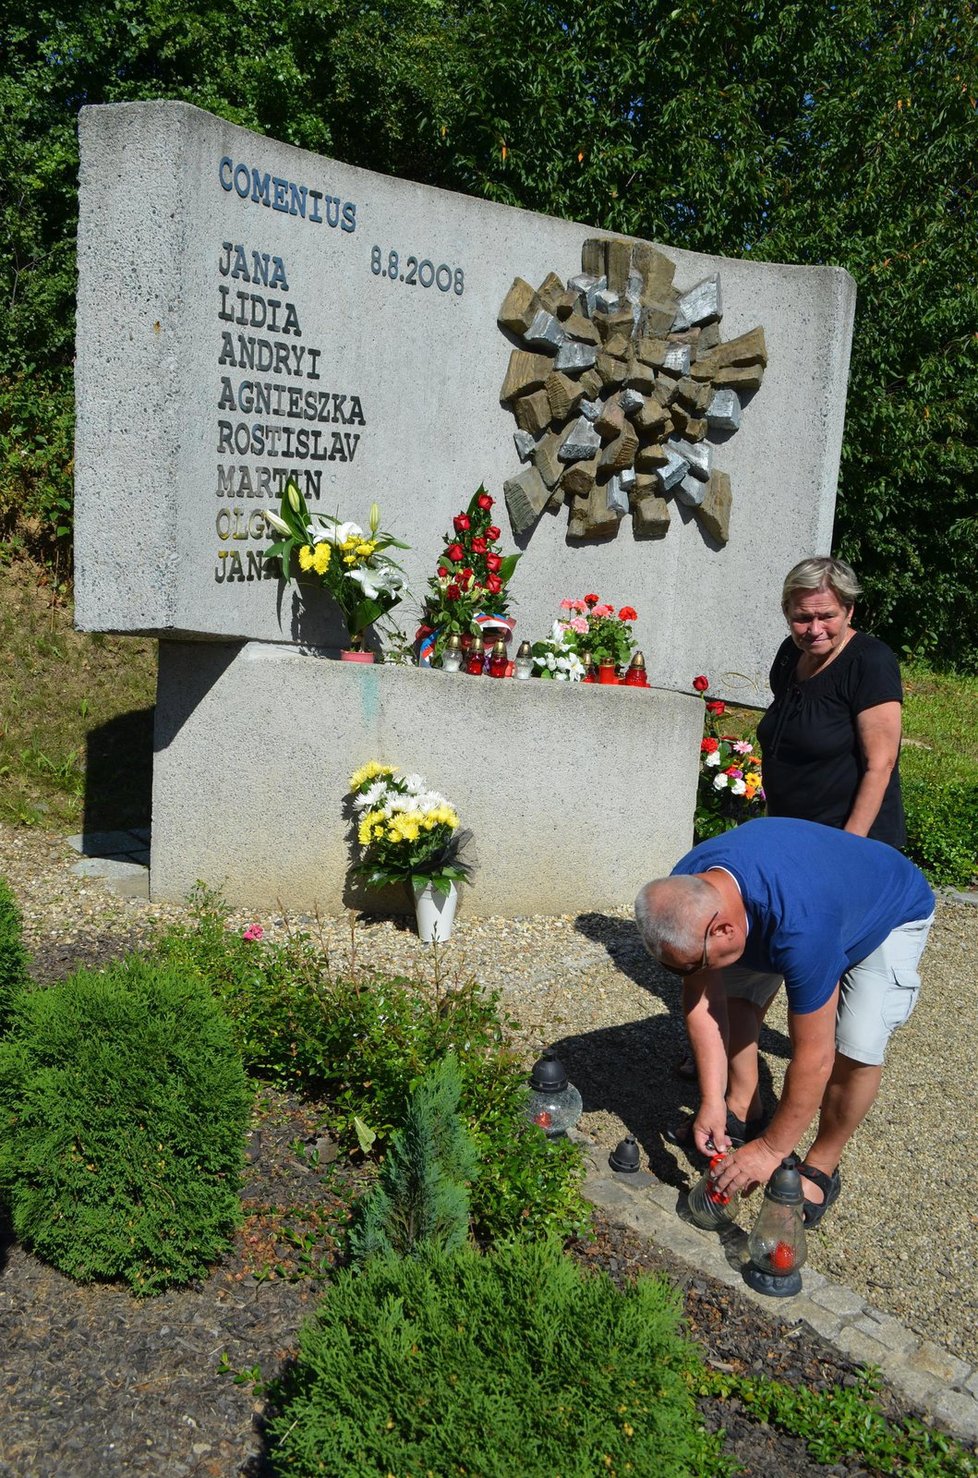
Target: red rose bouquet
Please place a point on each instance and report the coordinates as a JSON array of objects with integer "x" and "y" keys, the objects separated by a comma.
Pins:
[{"x": 470, "y": 579}]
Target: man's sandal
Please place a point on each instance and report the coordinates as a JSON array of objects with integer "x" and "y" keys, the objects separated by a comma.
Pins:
[{"x": 829, "y": 1185}]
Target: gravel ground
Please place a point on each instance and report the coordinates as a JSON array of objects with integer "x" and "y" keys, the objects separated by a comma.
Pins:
[{"x": 904, "y": 1233}]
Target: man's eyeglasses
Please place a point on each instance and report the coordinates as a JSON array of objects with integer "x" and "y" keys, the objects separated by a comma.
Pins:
[{"x": 704, "y": 962}]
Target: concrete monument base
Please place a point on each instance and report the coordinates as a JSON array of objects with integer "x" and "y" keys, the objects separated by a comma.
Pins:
[{"x": 576, "y": 795}]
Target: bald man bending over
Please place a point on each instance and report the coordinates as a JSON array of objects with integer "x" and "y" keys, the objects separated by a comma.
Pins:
[{"x": 843, "y": 921}]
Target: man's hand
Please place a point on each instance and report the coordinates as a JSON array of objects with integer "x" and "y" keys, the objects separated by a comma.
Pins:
[
  {"x": 710, "y": 1127},
  {"x": 752, "y": 1165}
]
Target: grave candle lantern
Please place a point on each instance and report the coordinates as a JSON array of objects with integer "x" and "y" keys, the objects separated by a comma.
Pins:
[
  {"x": 524, "y": 660},
  {"x": 475, "y": 657},
  {"x": 498, "y": 662},
  {"x": 554, "y": 1103},
  {"x": 776, "y": 1246},
  {"x": 608, "y": 673},
  {"x": 708, "y": 1207},
  {"x": 636, "y": 676},
  {"x": 589, "y": 674},
  {"x": 451, "y": 657}
]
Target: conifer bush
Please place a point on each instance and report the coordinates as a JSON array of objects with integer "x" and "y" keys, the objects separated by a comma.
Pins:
[
  {"x": 13, "y": 955},
  {"x": 123, "y": 1109},
  {"x": 512, "y": 1362},
  {"x": 422, "y": 1197}
]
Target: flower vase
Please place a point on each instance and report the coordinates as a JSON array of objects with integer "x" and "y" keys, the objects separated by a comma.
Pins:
[
  {"x": 349, "y": 655},
  {"x": 435, "y": 912}
]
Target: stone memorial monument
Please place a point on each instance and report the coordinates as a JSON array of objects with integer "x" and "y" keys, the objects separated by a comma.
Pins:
[{"x": 660, "y": 427}]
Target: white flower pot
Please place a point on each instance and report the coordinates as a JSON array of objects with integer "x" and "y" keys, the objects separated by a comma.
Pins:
[{"x": 435, "y": 911}]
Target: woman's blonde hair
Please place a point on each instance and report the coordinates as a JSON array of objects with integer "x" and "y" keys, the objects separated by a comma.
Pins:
[{"x": 821, "y": 573}]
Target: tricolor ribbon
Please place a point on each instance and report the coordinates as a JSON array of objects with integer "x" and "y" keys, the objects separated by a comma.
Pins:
[{"x": 481, "y": 619}]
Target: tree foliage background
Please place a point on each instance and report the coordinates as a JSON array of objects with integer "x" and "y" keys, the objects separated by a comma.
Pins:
[{"x": 844, "y": 135}]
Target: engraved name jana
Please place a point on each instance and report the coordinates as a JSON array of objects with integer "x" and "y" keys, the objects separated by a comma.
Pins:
[{"x": 295, "y": 425}]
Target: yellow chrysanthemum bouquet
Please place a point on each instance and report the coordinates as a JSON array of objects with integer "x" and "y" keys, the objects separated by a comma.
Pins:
[
  {"x": 350, "y": 562},
  {"x": 408, "y": 833}
]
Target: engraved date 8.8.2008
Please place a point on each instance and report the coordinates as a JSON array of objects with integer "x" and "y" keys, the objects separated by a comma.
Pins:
[{"x": 415, "y": 273}]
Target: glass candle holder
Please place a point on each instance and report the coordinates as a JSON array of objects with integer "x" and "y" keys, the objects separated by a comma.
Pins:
[
  {"x": 498, "y": 662},
  {"x": 451, "y": 657},
  {"x": 608, "y": 674},
  {"x": 636, "y": 676},
  {"x": 524, "y": 660},
  {"x": 776, "y": 1245},
  {"x": 708, "y": 1207},
  {"x": 554, "y": 1104},
  {"x": 475, "y": 657}
]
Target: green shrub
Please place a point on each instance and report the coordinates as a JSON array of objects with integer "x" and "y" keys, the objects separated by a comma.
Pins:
[
  {"x": 515, "y": 1362},
  {"x": 942, "y": 829},
  {"x": 421, "y": 1199},
  {"x": 360, "y": 1041},
  {"x": 13, "y": 955},
  {"x": 123, "y": 1108}
]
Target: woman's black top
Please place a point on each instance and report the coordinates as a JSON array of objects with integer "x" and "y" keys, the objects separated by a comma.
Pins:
[{"x": 812, "y": 761}]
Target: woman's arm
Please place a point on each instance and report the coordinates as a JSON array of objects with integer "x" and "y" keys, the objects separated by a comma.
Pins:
[{"x": 878, "y": 732}]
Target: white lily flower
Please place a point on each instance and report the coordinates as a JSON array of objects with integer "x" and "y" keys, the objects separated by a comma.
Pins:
[
  {"x": 382, "y": 580},
  {"x": 335, "y": 533},
  {"x": 276, "y": 523}
]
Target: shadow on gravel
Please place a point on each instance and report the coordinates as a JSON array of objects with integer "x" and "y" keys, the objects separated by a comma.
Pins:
[{"x": 630, "y": 1070}]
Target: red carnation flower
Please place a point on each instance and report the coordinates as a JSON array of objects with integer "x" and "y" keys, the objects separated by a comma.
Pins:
[
  {"x": 716, "y": 707},
  {"x": 708, "y": 746},
  {"x": 455, "y": 552},
  {"x": 484, "y": 502},
  {"x": 591, "y": 600},
  {"x": 493, "y": 563},
  {"x": 492, "y": 533},
  {"x": 462, "y": 523},
  {"x": 478, "y": 546},
  {"x": 628, "y": 613},
  {"x": 494, "y": 584},
  {"x": 452, "y": 593},
  {"x": 701, "y": 684}
]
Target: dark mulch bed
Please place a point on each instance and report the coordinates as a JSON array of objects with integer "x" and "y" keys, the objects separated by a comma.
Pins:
[{"x": 97, "y": 1383}]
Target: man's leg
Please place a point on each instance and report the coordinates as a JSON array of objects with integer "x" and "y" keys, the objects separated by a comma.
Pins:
[
  {"x": 749, "y": 994},
  {"x": 876, "y": 996},
  {"x": 848, "y": 1098}
]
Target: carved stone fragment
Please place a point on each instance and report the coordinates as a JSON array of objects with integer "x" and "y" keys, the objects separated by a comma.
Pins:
[
  {"x": 693, "y": 428},
  {"x": 656, "y": 319},
  {"x": 693, "y": 395},
  {"x": 611, "y": 420},
  {"x": 550, "y": 291},
  {"x": 714, "y": 512},
  {"x": 677, "y": 360},
  {"x": 524, "y": 445},
  {"x": 546, "y": 459},
  {"x": 673, "y": 470},
  {"x": 618, "y": 259},
  {"x": 606, "y": 301},
  {"x": 651, "y": 456},
  {"x": 579, "y": 478},
  {"x": 739, "y": 376},
  {"x": 572, "y": 356},
  {"x": 700, "y": 458},
  {"x": 655, "y": 269},
  {"x": 617, "y": 346},
  {"x": 640, "y": 379},
  {"x": 650, "y": 514},
  {"x": 632, "y": 399},
  {"x": 690, "y": 491},
  {"x": 701, "y": 304},
  {"x": 611, "y": 325},
  {"x": 532, "y": 412},
  {"x": 564, "y": 395},
  {"x": 545, "y": 333},
  {"x": 611, "y": 370},
  {"x": 620, "y": 452},
  {"x": 600, "y": 518},
  {"x": 594, "y": 256},
  {"x": 520, "y": 307},
  {"x": 652, "y": 351},
  {"x": 567, "y": 303},
  {"x": 591, "y": 409},
  {"x": 590, "y": 383},
  {"x": 576, "y": 326},
  {"x": 651, "y": 418},
  {"x": 616, "y": 495},
  {"x": 581, "y": 442},
  {"x": 723, "y": 411},
  {"x": 526, "y": 372},
  {"x": 526, "y": 496}
]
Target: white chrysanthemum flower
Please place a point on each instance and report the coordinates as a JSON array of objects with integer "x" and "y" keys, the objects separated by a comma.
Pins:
[
  {"x": 712, "y": 759},
  {"x": 737, "y": 787},
  {"x": 720, "y": 781}
]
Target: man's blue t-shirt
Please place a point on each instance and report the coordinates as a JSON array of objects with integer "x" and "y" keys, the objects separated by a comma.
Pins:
[{"x": 817, "y": 899}]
